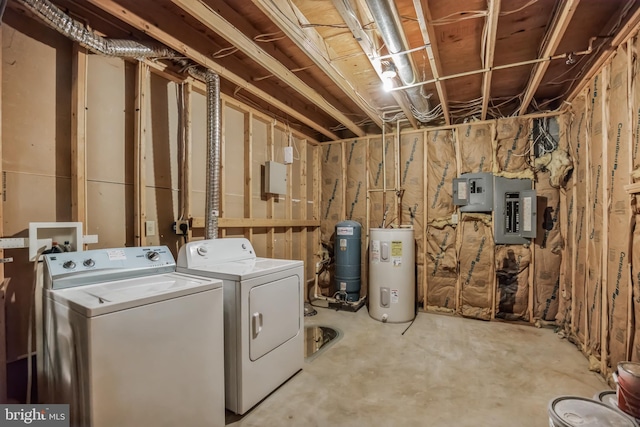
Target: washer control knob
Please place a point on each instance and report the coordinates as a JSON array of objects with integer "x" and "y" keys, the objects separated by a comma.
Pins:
[
  {"x": 153, "y": 256},
  {"x": 202, "y": 250},
  {"x": 244, "y": 246},
  {"x": 89, "y": 262},
  {"x": 69, "y": 265}
]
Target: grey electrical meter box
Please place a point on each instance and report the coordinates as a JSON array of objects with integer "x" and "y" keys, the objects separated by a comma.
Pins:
[
  {"x": 473, "y": 192},
  {"x": 275, "y": 178},
  {"x": 515, "y": 209}
]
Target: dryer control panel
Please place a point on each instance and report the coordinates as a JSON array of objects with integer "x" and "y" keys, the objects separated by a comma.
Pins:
[
  {"x": 215, "y": 251},
  {"x": 68, "y": 269}
]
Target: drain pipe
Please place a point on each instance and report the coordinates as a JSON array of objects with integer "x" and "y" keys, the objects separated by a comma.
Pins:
[
  {"x": 387, "y": 18},
  {"x": 74, "y": 30}
]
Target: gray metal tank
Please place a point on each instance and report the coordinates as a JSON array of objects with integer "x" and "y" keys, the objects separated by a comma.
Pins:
[{"x": 347, "y": 258}]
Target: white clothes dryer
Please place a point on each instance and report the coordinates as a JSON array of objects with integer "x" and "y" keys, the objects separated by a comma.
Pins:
[
  {"x": 263, "y": 315},
  {"x": 129, "y": 342}
]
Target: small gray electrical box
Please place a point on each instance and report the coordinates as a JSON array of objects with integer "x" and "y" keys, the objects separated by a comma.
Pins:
[
  {"x": 275, "y": 178},
  {"x": 473, "y": 192},
  {"x": 515, "y": 209}
]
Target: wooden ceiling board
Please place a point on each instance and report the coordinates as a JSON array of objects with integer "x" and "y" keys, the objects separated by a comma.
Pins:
[
  {"x": 520, "y": 34},
  {"x": 348, "y": 72},
  {"x": 327, "y": 88},
  {"x": 163, "y": 15},
  {"x": 589, "y": 20}
]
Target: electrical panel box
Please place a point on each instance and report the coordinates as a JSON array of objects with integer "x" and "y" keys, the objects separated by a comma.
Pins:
[
  {"x": 275, "y": 178},
  {"x": 515, "y": 209},
  {"x": 473, "y": 192}
]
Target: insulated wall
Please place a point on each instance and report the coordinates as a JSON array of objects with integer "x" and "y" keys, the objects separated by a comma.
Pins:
[
  {"x": 602, "y": 235},
  {"x": 409, "y": 182}
]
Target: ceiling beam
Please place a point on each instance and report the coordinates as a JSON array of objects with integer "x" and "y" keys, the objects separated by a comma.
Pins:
[
  {"x": 490, "y": 48},
  {"x": 552, "y": 39},
  {"x": 632, "y": 25},
  {"x": 202, "y": 58},
  {"x": 286, "y": 16},
  {"x": 369, "y": 47},
  {"x": 429, "y": 36},
  {"x": 212, "y": 20}
]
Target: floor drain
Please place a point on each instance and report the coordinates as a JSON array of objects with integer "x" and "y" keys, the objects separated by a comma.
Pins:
[{"x": 316, "y": 338}]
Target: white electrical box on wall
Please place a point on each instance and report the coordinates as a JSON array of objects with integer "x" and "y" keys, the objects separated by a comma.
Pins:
[
  {"x": 288, "y": 155},
  {"x": 275, "y": 178}
]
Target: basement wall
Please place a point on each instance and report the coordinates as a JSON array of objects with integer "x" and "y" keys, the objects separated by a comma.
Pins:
[
  {"x": 601, "y": 281},
  {"x": 409, "y": 181},
  {"x": 130, "y": 108}
]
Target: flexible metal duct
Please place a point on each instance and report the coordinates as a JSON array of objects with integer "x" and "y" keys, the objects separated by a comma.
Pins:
[
  {"x": 74, "y": 30},
  {"x": 69, "y": 27},
  {"x": 386, "y": 16},
  {"x": 212, "y": 204}
]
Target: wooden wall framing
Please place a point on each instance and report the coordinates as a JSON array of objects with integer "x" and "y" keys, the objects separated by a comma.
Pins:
[
  {"x": 108, "y": 153},
  {"x": 603, "y": 138}
]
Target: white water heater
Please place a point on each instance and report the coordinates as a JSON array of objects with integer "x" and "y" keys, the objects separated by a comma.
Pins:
[{"x": 392, "y": 280}]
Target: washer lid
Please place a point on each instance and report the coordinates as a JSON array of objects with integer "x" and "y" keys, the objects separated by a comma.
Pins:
[
  {"x": 579, "y": 411},
  {"x": 103, "y": 298},
  {"x": 242, "y": 270}
]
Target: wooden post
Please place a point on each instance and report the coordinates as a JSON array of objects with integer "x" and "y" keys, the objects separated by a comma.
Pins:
[
  {"x": 532, "y": 270},
  {"x": 187, "y": 177},
  {"x": 79, "y": 136},
  {"x": 425, "y": 219},
  {"x": 270, "y": 202},
  {"x": 139, "y": 186},
  {"x": 457, "y": 212},
  {"x": 631, "y": 88},
  {"x": 574, "y": 234},
  {"x": 304, "y": 244},
  {"x": 248, "y": 171},
  {"x": 423, "y": 222},
  {"x": 3, "y": 326},
  {"x": 604, "y": 316},
  {"x": 587, "y": 220},
  {"x": 289, "y": 210},
  {"x": 315, "y": 189},
  {"x": 222, "y": 232}
]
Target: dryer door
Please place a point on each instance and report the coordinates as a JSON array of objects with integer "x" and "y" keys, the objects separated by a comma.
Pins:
[{"x": 274, "y": 315}]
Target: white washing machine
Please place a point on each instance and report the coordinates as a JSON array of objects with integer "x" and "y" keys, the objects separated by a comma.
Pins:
[
  {"x": 263, "y": 316},
  {"x": 127, "y": 341}
]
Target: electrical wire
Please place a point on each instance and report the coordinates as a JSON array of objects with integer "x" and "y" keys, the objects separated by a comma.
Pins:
[
  {"x": 269, "y": 37},
  {"x": 461, "y": 16},
  {"x": 531, "y": 2},
  {"x": 224, "y": 52}
]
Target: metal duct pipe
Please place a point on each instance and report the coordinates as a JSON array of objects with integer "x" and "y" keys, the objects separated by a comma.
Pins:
[
  {"x": 386, "y": 16},
  {"x": 74, "y": 30},
  {"x": 212, "y": 204},
  {"x": 69, "y": 27}
]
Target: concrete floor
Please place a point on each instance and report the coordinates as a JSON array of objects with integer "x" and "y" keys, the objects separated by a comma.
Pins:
[{"x": 445, "y": 371}]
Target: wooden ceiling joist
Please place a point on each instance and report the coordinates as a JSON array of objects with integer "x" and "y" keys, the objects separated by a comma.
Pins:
[
  {"x": 632, "y": 25},
  {"x": 490, "y": 47},
  {"x": 429, "y": 36},
  {"x": 369, "y": 48},
  {"x": 212, "y": 20},
  {"x": 552, "y": 39},
  {"x": 283, "y": 14},
  {"x": 127, "y": 16}
]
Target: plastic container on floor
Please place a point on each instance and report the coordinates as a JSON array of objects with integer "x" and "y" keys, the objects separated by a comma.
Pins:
[{"x": 576, "y": 411}]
